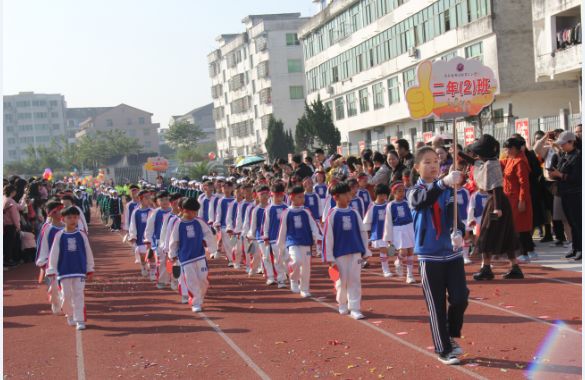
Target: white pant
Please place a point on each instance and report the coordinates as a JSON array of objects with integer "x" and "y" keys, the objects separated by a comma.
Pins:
[
  {"x": 239, "y": 247},
  {"x": 182, "y": 285},
  {"x": 139, "y": 250},
  {"x": 72, "y": 298},
  {"x": 349, "y": 285},
  {"x": 254, "y": 258},
  {"x": 279, "y": 262},
  {"x": 53, "y": 293},
  {"x": 300, "y": 266},
  {"x": 196, "y": 279},
  {"x": 227, "y": 244},
  {"x": 163, "y": 277}
]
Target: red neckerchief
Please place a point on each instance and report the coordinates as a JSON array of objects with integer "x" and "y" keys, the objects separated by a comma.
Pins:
[{"x": 437, "y": 218}]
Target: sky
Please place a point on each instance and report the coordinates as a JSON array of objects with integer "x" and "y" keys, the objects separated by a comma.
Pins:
[{"x": 150, "y": 54}]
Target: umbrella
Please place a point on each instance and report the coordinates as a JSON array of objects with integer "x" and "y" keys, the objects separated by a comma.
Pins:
[{"x": 250, "y": 160}]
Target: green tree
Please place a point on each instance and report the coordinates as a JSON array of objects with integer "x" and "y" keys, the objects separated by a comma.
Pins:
[
  {"x": 304, "y": 134},
  {"x": 320, "y": 123},
  {"x": 95, "y": 150},
  {"x": 184, "y": 135},
  {"x": 278, "y": 142}
]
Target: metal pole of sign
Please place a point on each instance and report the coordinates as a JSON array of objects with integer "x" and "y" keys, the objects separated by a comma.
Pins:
[{"x": 455, "y": 205}]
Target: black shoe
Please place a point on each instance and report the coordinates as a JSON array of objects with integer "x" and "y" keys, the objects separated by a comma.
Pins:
[
  {"x": 578, "y": 256},
  {"x": 546, "y": 239},
  {"x": 10, "y": 264},
  {"x": 559, "y": 243},
  {"x": 570, "y": 255},
  {"x": 514, "y": 274},
  {"x": 485, "y": 273}
]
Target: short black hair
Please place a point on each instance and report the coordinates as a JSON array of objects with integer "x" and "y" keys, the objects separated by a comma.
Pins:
[
  {"x": 67, "y": 198},
  {"x": 51, "y": 205},
  {"x": 390, "y": 148},
  {"x": 142, "y": 193},
  {"x": 319, "y": 151},
  {"x": 382, "y": 188},
  {"x": 352, "y": 182},
  {"x": 228, "y": 183},
  {"x": 421, "y": 152},
  {"x": 247, "y": 185},
  {"x": 309, "y": 159},
  {"x": 340, "y": 188},
  {"x": 262, "y": 188},
  {"x": 71, "y": 210},
  {"x": 514, "y": 142},
  {"x": 402, "y": 143},
  {"x": 378, "y": 157},
  {"x": 8, "y": 189},
  {"x": 175, "y": 196},
  {"x": 190, "y": 204},
  {"x": 278, "y": 188},
  {"x": 162, "y": 194},
  {"x": 297, "y": 158},
  {"x": 134, "y": 187},
  {"x": 296, "y": 190}
]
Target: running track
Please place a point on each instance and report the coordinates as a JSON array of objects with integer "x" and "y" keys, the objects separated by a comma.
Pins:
[{"x": 249, "y": 330}]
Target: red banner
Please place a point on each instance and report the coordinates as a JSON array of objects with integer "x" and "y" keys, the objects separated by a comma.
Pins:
[
  {"x": 523, "y": 129},
  {"x": 427, "y": 137},
  {"x": 362, "y": 146},
  {"x": 469, "y": 135}
]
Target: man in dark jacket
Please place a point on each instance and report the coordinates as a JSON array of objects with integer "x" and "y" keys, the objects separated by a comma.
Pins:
[{"x": 301, "y": 170}]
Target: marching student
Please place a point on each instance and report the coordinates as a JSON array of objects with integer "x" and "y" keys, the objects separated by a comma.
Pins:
[
  {"x": 130, "y": 206},
  {"x": 329, "y": 200},
  {"x": 399, "y": 231},
  {"x": 241, "y": 228},
  {"x": 47, "y": 235},
  {"x": 363, "y": 192},
  {"x": 71, "y": 261},
  {"x": 152, "y": 236},
  {"x": 298, "y": 232},
  {"x": 231, "y": 220},
  {"x": 206, "y": 200},
  {"x": 68, "y": 201},
  {"x": 438, "y": 242},
  {"x": 374, "y": 222},
  {"x": 356, "y": 202},
  {"x": 345, "y": 243},
  {"x": 312, "y": 200},
  {"x": 165, "y": 234},
  {"x": 463, "y": 199},
  {"x": 115, "y": 211},
  {"x": 221, "y": 213},
  {"x": 477, "y": 204},
  {"x": 187, "y": 246},
  {"x": 320, "y": 187},
  {"x": 138, "y": 221},
  {"x": 254, "y": 223},
  {"x": 272, "y": 252}
]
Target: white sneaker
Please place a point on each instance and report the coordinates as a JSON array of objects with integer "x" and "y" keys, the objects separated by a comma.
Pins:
[
  {"x": 449, "y": 359},
  {"x": 215, "y": 255},
  {"x": 250, "y": 273},
  {"x": 56, "y": 309},
  {"x": 343, "y": 310},
  {"x": 160, "y": 286},
  {"x": 466, "y": 260},
  {"x": 294, "y": 287},
  {"x": 70, "y": 321},
  {"x": 532, "y": 255},
  {"x": 143, "y": 272},
  {"x": 270, "y": 281},
  {"x": 259, "y": 271},
  {"x": 152, "y": 276},
  {"x": 281, "y": 284},
  {"x": 306, "y": 294},
  {"x": 174, "y": 285},
  {"x": 80, "y": 326},
  {"x": 197, "y": 309},
  {"x": 356, "y": 314},
  {"x": 524, "y": 258},
  {"x": 184, "y": 299},
  {"x": 388, "y": 274},
  {"x": 399, "y": 269},
  {"x": 410, "y": 279},
  {"x": 236, "y": 266}
]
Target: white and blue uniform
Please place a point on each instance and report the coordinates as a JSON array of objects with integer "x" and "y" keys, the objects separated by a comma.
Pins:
[
  {"x": 463, "y": 199},
  {"x": 365, "y": 196},
  {"x": 329, "y": 204},
  {"x": 204, "y": 202},
  {"x": 298, "y": 232},
  {"x": 398, "y": 226},
  {"x": 374, "y": 222},
  {"x": 254, "y": 257},
  {"x": 313, "y": 203},
  {"x": 345, "y": 243},
  {"x": 128, "y": 210},
  {"x": 70, "y": 260},
  {"x": 44, "y": 245},
  {"x": 136, "y": 231},
  {"x": 358, "y": 204},
  {"x": 477, "y": 204},
  {"x": 270, "y": 230},
  {"x": 152, "y": 234},
  {"x": 169, "y": 223},
  {"x": 321, "y": 190},
  {"x": 187, "y": 245},
  {"x": 221, "y": 215}
]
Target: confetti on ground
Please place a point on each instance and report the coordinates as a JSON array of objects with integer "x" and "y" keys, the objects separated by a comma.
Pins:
[
  {"x": 376, "y": 322},
  {"x": 509, "y": 306},
  {"x": 430, "y": 347},
  {"x": 519, "y": 366},
  {"x": 544, "y": 317},
  {"x": 280, "y": 342},
  {"x": 503, "y": 370},
  {"x": 334, "y": 342},
  {"x": 471, "y": 365},
  {"x": 352, "y": 366},
  {"x": 402, "y": 333}
]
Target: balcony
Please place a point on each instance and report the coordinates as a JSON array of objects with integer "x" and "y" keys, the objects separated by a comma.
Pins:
[
  {"x": 262, "y": 70},
  {"x": 562, "y": 64}
]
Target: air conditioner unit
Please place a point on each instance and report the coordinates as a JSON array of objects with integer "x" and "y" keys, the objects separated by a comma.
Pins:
[
  {"x": 330, "y": 90},
  {"x": 413, "y": 52}
]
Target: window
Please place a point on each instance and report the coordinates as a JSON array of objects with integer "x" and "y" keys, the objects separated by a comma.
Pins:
[
  {"x": 40, "y": 115},
  {"x": 109, "y": 123},
  {"x": 148, "y": 144},
  {"x": 498, "y": 115},
  {"x": 295, "y": 66},
  {"x": 11, "y": 141},
  {"x": 296, "y": 92},
  {"x": 24, "y": 116},
  {"x": 146, "y": 132},
  {"x": 351, "y": 106},
  {"x": 339, "y": 109},
  {"x": 393, "y": 91},
  {"x": 364, "y": 105},
  {"x": 12, "y": 153},
  {"x": 141, "y": 121},
  {"x": 23, "y": 103},
  {"x": 335, "y": 74},
  {"x": 474, "y": 51},
  {"x": 448, "y": 56},
  {"x": 56, "y": 126},
  {"x": 378, "y": 90},
  {"x": 329, "y": 106},
  {"x": 409, "y": 78},
  {"x": 129, "y": 121},
  {"x": 55, "y": 114},
  {"x": 292, "y": 39},
  {"x": 53, "y": 103},
  {"x": 39, "y": 103}
]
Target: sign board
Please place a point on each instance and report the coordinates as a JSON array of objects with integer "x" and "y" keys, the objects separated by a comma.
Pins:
[
  {"x": 157, "y": 164},
  {"x": 427, "y": 137},
  {"x": 362, "y": 146},
  {"x": 450, "y": 89},
  {"x": 523, "y": 129},
  {"x": 469, "y": 133},
  {"x": 339, "y": 150}
]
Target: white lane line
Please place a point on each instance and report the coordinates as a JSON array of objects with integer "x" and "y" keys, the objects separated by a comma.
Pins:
[
  {"x": 237, "y": 349},
  {"x": 525, "y": 316},
  {"x": 405, "y": 343},
  {"x": 79, "y": 354},
  {"x": 555, "y": 280}
]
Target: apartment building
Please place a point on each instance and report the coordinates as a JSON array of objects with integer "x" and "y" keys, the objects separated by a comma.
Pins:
[
  {"x": 256, "y": 74},
  {"x": 362, "y": 55},
  {"x": 202, "y": 117}
]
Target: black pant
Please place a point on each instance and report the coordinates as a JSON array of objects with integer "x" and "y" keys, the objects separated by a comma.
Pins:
[
  {"x": 87, "y": 216},
  {"x": 526, "y": 242},
  {"x": 11, "y": 244},
  {"x": 572, "y": 204},
  {"x": 439, "y": 278},
  {"x": 559, "y": 230},
  {"x": 116, "y": 221}
]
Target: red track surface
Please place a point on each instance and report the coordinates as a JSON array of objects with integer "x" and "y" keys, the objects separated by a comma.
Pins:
[{"x": 137, "y": 331}]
